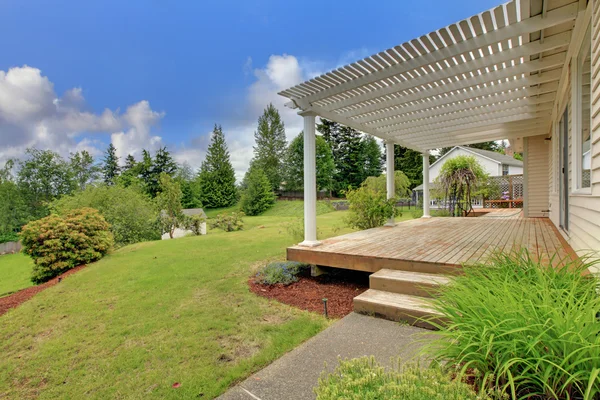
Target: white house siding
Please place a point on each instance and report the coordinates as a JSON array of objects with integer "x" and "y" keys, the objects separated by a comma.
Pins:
[
  {"x": 514, "y": 170},
  {"x": 536, "y": 176},
  {"x": 584, "y": 209},
  {"x": 491, "y": 167}
]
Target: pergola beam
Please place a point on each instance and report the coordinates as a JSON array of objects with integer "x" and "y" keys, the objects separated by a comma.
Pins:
[{"x": 552, "y": 18}]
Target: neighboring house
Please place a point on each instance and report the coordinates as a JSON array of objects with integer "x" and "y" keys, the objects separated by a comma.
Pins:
[
  {"x": 494, "y": 163},
  {"x": 180, "y": 232}
]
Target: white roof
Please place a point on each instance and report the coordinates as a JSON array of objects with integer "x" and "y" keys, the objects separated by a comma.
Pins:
[{"x": 492, "y": 76}]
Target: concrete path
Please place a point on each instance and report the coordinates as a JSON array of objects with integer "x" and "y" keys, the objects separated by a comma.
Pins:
[{"x": 294, "y": 375}]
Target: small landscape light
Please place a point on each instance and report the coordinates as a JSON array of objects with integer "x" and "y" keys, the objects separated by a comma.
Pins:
[{"x": 325, "y": 307}]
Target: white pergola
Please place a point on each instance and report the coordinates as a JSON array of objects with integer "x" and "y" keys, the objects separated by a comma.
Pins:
[{"x": 493, "y": 76}]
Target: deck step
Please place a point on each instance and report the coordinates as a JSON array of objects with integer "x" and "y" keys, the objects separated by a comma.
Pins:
[
  {"x": 397, "y": 307},
  {"x": 407, "y": 282}
]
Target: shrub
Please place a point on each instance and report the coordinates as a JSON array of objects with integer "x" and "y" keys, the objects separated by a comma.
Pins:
[
  {"x": 258, "y": 196},
  {"x": 528, "y": 328},
  {"x": 364, "y": 379},
  {"x": 58, "y": 244},
  {"x": 379, "y": 184},
  {"x": 369, "y": 208},
  {"x": 459, "y": 179},
  {"x": 229, "y": 223},
  {"x": 169, "y": 202},
  {"x": 9, "y": 237},
  {"x": 284, "y": 272},
  {"x": 194, "y": 224},
  {"x": 131, "y": 214}
]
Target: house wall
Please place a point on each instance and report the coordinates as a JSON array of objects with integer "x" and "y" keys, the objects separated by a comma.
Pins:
[
  {"x": 491, "y": 167},
  {"x": 514, "y": 170},
  {"x": 536, "y": 176},
  {"x": 584, "y": 209}
]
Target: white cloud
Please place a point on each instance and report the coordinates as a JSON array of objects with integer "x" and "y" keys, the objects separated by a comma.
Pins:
[{"x": 33, "y": 115}]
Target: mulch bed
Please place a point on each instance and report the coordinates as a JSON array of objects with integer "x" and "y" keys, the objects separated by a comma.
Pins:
[
  {"x": 339, "y": 288},
  {"x": 20, "y": 297}
]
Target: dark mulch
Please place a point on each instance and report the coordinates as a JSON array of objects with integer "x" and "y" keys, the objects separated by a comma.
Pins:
[
  {"x": 20, "y": 297},
  {"x": 339, "y": 288}
]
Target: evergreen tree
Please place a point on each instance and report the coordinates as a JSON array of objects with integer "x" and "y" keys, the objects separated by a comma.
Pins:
[
  {"x": 411, "y": 163},
  {"x": 270, "y": 148},
  {"x": 217, "y": 177},
  {"x": 373, "y": 157},
  {"x": 348, "y": 154},
  {"x": 130, "y": 163},
  {"x": 163, "y": 163},
  {"x": 258, "y": 196},
  {"x": 294, "y": 164},
  {"x": 111, "y": 168},
  {"x": 83, "y": 169},
  {"x": 190, "y": 186}
]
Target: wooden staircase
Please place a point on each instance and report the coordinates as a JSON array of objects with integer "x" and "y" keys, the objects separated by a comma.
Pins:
[{"x": 401, "y": 296}]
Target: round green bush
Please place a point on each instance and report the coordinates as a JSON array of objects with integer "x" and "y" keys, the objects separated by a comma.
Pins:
[{"x": 58, "y": 244}]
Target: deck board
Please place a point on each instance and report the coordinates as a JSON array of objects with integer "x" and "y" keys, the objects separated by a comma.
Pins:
[{"x": 426, "y": 244}]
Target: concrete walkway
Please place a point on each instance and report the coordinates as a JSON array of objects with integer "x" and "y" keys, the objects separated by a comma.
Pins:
[{"x": 294, "y": 375}]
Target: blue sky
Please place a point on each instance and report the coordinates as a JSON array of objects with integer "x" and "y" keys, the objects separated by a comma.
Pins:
[{"x": 145, "y": 73}]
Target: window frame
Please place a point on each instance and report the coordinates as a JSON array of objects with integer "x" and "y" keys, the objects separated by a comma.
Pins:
[{"x": 584, "y": 51}]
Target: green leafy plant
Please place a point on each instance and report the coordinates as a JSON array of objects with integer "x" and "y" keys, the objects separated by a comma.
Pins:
[
  {"x": 228, "y": 222},
  {"x": 194, "y": 223},
  {"x": 364, "y": 379},
  {"x": 58, "y": 244},
  {"x": 131, "y": 214},
  {"x": 369, "y": 208},
  {"x": 169, "y": 202},
  {"x": 258, "y": 195},
  {"x": 460, "y": 177},
  {"x": 530, "y": 329},
  {"x": 9, "y": 237},
  {"x": 284, "y": 272},
  {"x": 379, "y": 184}
]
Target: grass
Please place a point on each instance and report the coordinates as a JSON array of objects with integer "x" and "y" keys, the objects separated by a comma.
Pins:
[
  {"x": 15, "y": 273},
  {"x": 525, "y": 328},
  {"x": 283, "y": 208},
  {"x": 153, "y": 314}
]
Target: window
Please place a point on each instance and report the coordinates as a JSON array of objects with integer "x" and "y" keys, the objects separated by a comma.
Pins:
[
  {"x": 583, "y": 141},
  {"x": 504, "y": 169}
]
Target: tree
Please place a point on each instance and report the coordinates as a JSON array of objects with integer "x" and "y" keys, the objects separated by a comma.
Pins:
[
  {"x": 169, "y": 201},
  {"x": 411, "y": 163},
  {"x": 379, "y": 184},
  {"x": 13, "y": 208},
  {"x": 270, "y": 148},
  {"x": 294, "y": 164},
  {"x": 43, "y": 177},
  {"x": 163, "y": 163},
  {"x": 130, "y": 163},
  {"x": 372, "y": 155},
  {"x": 190, "y": 186},
  {"x": 131, "y": 214},
  {"x": 459, "y": 177},
  {"x": 83, "y": 169},
  {"x": 110, "y": 168},
  {"x": 130, "y": 174},
  {"x": 348, "y": 154},
  {"x": 217, "y": 177},
  {"x": 258, "y": 196}
]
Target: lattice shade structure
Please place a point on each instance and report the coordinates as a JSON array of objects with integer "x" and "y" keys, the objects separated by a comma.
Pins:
[{"x": 492, "y": 76}]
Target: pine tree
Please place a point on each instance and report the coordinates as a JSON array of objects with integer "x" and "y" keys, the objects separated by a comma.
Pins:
[
  {"x": 130, "y": 163},
  {"x": 348, "y": 154},
  {"x": 258, "y": 196},
  {"x": 111, "y": 168},
  {"x": 163, "y": 163},
  {"x": 294, "y": 164},
  {"x": 270, "y": 148},
  {"x": 217, "y": 177},
  {"x": 373, "y": 157}
]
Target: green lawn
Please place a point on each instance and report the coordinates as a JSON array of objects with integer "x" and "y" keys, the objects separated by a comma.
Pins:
[
  {"x": 15, "y": 273},
  {"x": 283, "y": 208},
  {"x": 156, "y": 313}
]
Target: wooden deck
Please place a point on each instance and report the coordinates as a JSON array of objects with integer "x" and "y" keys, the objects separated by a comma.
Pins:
[{"x": 437, "y": 245}]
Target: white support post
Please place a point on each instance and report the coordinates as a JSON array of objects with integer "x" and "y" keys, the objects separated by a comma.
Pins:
[
  {"x": 310, "y": 181},
  {"x": 390, "y": 175},
  {"x": 426, "y": 185}
]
